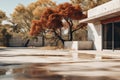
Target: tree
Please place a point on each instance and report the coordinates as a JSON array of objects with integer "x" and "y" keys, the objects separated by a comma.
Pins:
[
  {"x": 70, "y": 13},
  {"x": 53, "y": 19},
  {"x": 4, "y": 34},
  {"x": 38, "y": 28},
  {"x": 22, "y": 16}
]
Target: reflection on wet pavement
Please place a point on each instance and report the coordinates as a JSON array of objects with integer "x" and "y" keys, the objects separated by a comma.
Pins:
[
  {"x": 82, "y": 70},
  {"x": 47, "y": 65}
]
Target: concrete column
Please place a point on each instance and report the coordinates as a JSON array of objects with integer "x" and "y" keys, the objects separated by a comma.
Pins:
[{"x": 75, "y": 50}]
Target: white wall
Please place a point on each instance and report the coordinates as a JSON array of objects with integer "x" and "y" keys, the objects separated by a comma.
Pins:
[
  {"x": 107, "y": 7},
  {"x": 95, "y": 29},
  {"x": 94, "y": 34}
]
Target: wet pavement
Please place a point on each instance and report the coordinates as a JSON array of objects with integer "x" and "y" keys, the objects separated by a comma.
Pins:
[{"x": 57, "y": 67}]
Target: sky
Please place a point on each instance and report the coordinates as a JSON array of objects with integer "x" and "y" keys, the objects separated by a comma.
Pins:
[{"x": 8, "y": 6}]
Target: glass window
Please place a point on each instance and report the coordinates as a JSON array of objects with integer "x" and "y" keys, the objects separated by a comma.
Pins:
[{"x": 111, "y": 36}]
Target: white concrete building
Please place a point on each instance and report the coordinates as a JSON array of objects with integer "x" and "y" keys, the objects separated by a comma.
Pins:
[{"x": 104, "y": 26}]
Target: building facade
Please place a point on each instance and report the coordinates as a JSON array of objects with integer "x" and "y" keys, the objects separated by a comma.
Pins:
[{"x": 104, "y": 26}]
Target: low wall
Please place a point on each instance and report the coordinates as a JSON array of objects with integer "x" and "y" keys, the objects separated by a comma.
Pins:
[
  {"x": 19, "y": 42},
  {"x": 16, "y": 42},
  {"x": 80, "y": 45},
  {"x": 1, "y": 44}
]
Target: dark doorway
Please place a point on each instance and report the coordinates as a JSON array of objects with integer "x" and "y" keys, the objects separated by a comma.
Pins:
[
  {"x": 111, "y": 36},
  {"x": 107, "y": 36},
  {"x": 117, "y": 35}
]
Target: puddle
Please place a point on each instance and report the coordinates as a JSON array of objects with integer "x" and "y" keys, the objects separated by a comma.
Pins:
[
  {"x": 57, "y": 67},
  {"x": 93, "y": 70}
]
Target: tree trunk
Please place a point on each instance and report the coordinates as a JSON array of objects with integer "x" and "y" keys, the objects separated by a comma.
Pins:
[
  {"x": 43, "y": 40},
  {"x": 59, "y": 37},
  {"x": 27, "y": 42},
  {"x": 70, "y": 34}
]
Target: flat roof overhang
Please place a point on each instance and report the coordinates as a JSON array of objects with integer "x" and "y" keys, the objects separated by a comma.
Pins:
[{"x": 102, "y": 16}]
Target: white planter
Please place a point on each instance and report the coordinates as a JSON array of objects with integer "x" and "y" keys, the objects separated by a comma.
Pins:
[{"x": 79, "y": 45}]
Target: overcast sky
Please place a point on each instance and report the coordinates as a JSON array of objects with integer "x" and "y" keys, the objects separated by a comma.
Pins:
[{"x": 8, "y": 5}]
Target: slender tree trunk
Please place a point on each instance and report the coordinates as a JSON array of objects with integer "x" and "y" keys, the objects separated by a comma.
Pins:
[
  {"x": 43, "y": 40},
  {"x": 27, "y": 42},
  {"x": 70, "y": 34},
  {"x": 59, "y": 37},
  {"x": 60, "y": 32}
]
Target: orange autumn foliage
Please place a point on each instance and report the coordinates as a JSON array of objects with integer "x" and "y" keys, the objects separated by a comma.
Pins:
[
  {"x": 67, "y": 10},
  {"x": 54, "y": 21},
  {"x": 52, "y": 18},
  {"x": 47, "y": 12},
  {"x": 36, "y": 27}
]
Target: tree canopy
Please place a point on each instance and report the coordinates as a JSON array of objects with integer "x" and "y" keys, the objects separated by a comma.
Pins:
[
  {"x": 54, "y": 18},
  {"x": 23, "y": 15}
]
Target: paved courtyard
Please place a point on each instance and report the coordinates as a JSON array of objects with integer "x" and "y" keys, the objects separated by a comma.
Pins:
[{"x": 36, "y": 64}]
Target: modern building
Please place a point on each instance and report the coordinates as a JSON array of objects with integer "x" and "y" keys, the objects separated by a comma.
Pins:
[{"x": 104, "y": 26}]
